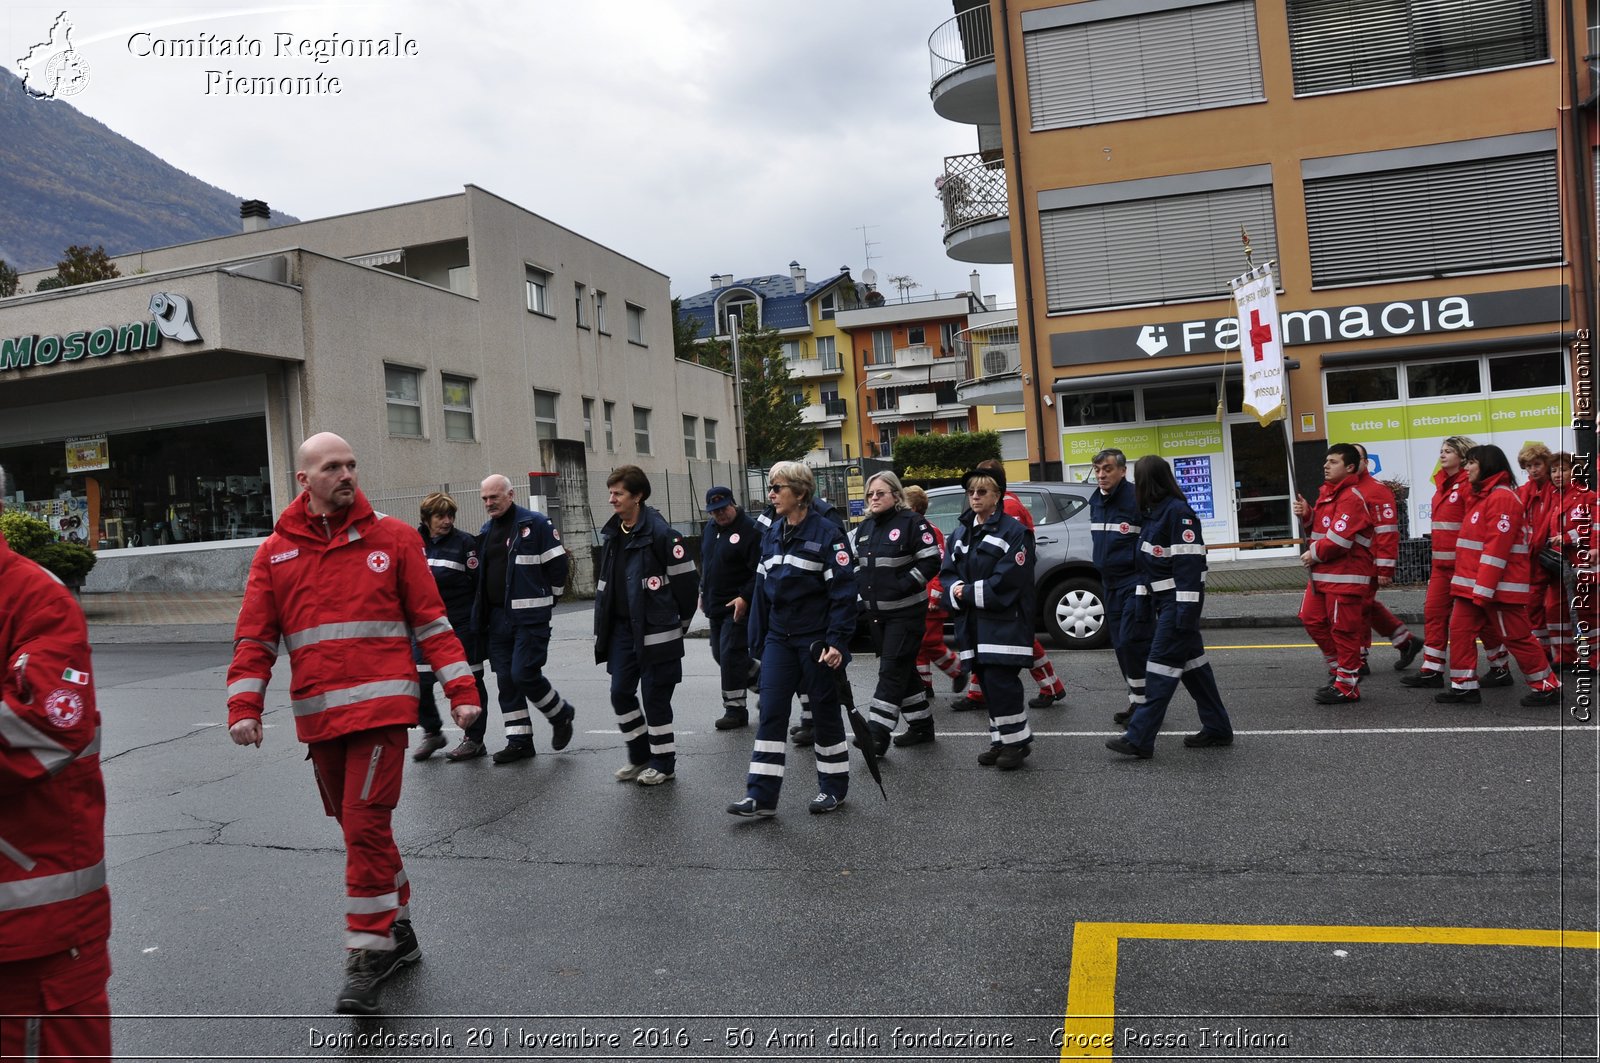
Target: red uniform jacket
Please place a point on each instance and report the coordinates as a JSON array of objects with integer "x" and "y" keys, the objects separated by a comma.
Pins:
[
  {"x": 1451, "y": 496},
  {"x": 1385, "y": 523},
  {"x": 1572, "y": 521},
  {"x": 53, "y": 894},
  {"x": 1539, "y": 500},
  {"x": 346, "y": 595},
  {"x": 1492, "y": 554},
  {"x": 1341, "y": 539}
]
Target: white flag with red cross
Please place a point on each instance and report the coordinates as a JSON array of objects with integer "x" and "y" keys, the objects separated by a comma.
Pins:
[{"x": 1255, "y": 298}]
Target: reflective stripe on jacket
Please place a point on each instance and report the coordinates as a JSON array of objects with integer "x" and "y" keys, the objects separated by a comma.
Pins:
[
  {"x": 1451, "y": 497},
  {"x": 896, "y": 555},
  {"x": 1493, "y": 551},
  {"x": 1172, "y": 562},
  {"x": 1114, "y": 529},
  {"x": 993, "y": 564},
  {"x": 1341, "y": 539},
  {"x": 728, "y": 559},
  {"x": 536, "y": 571},
  {"x": 805, "y": 584},
  {"x": 660, "y": 582}
]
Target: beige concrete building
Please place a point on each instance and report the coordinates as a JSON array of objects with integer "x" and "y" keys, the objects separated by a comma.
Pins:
[{"x": 444, "y": 338}]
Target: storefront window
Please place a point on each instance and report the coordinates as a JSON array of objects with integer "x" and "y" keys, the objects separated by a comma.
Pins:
[
  {"x": 1180, "y": 401},
  {"x": 1516, "y": 371},
  {"x": 1442, "y": 378},
  {"x": 1097, "y": 407},
  {"x": 191, "y": 483},
  {"x": 1348, "y": 386}
]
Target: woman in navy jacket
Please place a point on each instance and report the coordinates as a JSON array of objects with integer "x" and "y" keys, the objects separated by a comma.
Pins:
[
  {"x": 1169, "y": 592},
  {"x": 987, "y": 581},
  {"x": 801, "y": 619}
]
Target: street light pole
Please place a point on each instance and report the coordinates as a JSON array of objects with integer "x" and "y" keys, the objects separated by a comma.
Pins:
[{"x": 738, "y": 399}]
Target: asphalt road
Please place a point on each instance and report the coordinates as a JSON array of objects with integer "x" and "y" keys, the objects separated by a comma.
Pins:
[{"x": 1355, "y": 882}]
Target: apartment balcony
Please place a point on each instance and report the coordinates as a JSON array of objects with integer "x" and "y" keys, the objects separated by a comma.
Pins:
[
  {"x": 815, "y": 368},
  {"x": 977, "y": 209},
  {"x": 992, "y": 357},
  {"x": 920, "y": 407},
  {"x": 829, "y": 414},
  {"x": 961, "y": 53},
  {"x": 911, "y": 366}
]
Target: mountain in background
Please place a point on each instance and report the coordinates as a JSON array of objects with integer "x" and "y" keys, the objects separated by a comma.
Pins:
[{"x": 66, "y": 179}]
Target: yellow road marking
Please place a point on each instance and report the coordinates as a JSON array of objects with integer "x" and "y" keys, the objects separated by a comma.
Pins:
[{"x": 1090, "y": 1025}]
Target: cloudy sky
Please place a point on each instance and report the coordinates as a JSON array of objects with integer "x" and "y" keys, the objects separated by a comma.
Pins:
[{"x": 697, "y": 136}]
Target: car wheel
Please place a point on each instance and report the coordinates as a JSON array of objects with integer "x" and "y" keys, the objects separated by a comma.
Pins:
[{"x": 1075, "y": 614}]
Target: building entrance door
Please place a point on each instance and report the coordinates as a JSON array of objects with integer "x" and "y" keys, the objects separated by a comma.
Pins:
[{"x": 1262, "y": 495}]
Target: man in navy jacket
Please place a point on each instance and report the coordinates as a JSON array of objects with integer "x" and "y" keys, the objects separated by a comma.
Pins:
[
  {"x": 730, "y": 547},
  {"x": 1114, "y": 529}
]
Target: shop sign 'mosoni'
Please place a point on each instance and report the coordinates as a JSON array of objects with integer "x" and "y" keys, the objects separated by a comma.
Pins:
[{"x": 171, "y": 318}]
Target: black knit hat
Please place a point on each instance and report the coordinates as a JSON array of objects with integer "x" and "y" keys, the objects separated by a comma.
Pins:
[{"x": 997, "y": 475}]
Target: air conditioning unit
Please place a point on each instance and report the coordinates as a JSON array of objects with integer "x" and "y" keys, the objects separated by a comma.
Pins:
[{"x": 999, "y": 360}]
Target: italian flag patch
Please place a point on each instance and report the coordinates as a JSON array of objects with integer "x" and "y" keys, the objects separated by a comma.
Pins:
[{"x": 80, "y": 678}]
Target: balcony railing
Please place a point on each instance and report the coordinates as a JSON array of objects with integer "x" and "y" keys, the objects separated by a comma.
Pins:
[
  {"x": 990, "y": 350},
  {"x": 966, "y": 39},
  {"x": 972, "y": 191}
]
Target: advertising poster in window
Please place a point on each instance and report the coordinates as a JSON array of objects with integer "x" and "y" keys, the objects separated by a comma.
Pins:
[
  {"x": 1196, "y": 444},
  {"x": 1194, "y": 477},
  {"x": 89, "y": 454}
]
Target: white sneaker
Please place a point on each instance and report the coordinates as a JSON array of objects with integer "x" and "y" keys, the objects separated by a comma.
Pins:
[
  {"x": 630, "y": 772},
  {"x": 652, "y": 777}
]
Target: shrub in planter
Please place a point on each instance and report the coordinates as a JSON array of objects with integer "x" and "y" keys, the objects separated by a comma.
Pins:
[{"x": 33, "y": 539}]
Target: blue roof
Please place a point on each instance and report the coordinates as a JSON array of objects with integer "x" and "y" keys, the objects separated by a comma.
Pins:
[{"x": 781, "y": 306}]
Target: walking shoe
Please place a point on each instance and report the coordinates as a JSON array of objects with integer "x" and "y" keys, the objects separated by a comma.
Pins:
[
  {"x": 1459, "y": 697},
  {"x": 365, "y": 970},
  {"x": 432, "y": 742},
  {"x": 880, "y": 740},
  {"x": 1496, "y": 677},
  {"x": 989, "y": 757},
  {"x": 959, "y": 683},
  {"x": 1541, "y": 697},
  {"x": 1128, "y": 749},
  {"x": 803, "y": 736},
  {"x": 748, "y": 809},
  {"x": 405, "y": 942},
  {"x": 514, "y": 752},
  {"x": 468, "y": 749},
  {"x": 1044, "y": 701},
  {"x": 1205, "y": 739},
  {"x": 919, "y": 732},
  {"x": 1011, "y": 757},
  {"x": 966, "y": 704},
  {"x": 561, "y": 727},
  {"x": 822, "y": 804},
  {"x": 1434, "y": 680},
  {"x": 653, "y": 777},
  {"x": 732, "y": 721},
  {"x": 630, "y": 772},
  {"x": 1334, "y": 695},
  {"x": 1408, "y": 653},
  {"x": 1121, "y": 718},
  {"x": 1365, "y": 669}
]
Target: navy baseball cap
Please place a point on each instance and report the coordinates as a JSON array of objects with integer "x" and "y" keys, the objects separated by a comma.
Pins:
[{"x": 718, "y": 497}]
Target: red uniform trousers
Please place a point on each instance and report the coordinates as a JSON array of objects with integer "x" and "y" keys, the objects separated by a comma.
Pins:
[
  {"x": 1384, "y": 622},
  {"x": 1538, "y": 614},
  {"x": 1436, "y": 610},
  {"x": 359, "y": 776},
  {"x": 1043, "y": 672},
  {"x": 933, "y": 653},
  {"x": 1558, "y": 622},
  {"x": 61, "y": 1006},
  {"x": 1471, "y": 619},
  {"x": 1337, "y": 623}
]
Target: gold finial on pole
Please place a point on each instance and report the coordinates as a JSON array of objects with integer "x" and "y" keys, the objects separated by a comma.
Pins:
[{"x": 1249, "y": 253}]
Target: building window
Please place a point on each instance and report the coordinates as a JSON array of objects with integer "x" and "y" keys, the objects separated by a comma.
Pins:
[
  {"x": 1516, "y": 372},
  {"x": 1347, "y": 44},
  {"x": 690, "y": 427},
  {"x": 886, "y": 441},
  {"x": 588, "y": 423},
  {"x": 641, "y": 430},
  {"x": 1097, "y": 407},
  {"x": 539, "y": 290},
  {"x": 1152, "y": 240},
  {"x": 792, "y": 352},
  {"x": 947, "y": 337},
  {"x": 580, "y": 300},
  {"x": 916, "y": 335},
  {"x": 1471, "y": 206},
  {"x": 828, "y": 352},
  {"x": 798, "y": 397},
  {"x": 1441, "y": 378},
  {"x": 1180, "y": 401},
  {"x": 403, "y": 392},
  {"x": 458, "y": 408},
  {"x": 636, "y": 324},
  {"x": 711, "y": 440},
  {"x": 1191, "y": 57},
  {"x": 599, "y": 310},
  {"x": 827, "y": 306},
  {"x": 955, "y": 425},
  {"x": 882, "y": 346},
  {"x": 1346, "y": 387},
  {"x": 1013, "y": 444},
  {"x": 544, "y": 414},
  {"x": 611, "y": 427}
]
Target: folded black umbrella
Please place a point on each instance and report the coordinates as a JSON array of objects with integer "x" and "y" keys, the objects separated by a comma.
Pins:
[{"x": 858, "y": 722}]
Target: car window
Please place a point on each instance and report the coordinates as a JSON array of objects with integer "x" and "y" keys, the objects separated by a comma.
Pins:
[
  {"x": 1037, "y": 505},
  {"x": 945, "y": 509},
  {"x": 1070, "y": 505}
]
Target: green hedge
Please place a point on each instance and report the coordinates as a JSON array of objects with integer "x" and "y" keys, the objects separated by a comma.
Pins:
[
  {"x": 33, "y": 539},
  {"x": 943, "y": 457}
]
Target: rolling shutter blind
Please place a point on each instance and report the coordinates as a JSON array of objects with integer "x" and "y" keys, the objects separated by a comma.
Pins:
[
  {"x": 1344, "y": 44},
  {"x": 1152, "y": 250},
  {"x": 1162, "y": 63},
  {"x": 1456, "y": 218}
]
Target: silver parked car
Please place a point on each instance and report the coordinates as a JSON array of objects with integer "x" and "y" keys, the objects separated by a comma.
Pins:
[{"x": 1071, "y": 607}]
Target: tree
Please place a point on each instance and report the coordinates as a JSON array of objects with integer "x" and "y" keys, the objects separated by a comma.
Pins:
[
  {"x": 8, "y": 280},
  {"x": 772, "y": 428},
  {"x": 685, "y": 330},
  {"x": 82, "y": 265}
]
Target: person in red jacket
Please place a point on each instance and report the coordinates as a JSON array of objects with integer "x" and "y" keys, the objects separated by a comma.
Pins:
[
  {"x": 55, "y": 909},
  {"x": 1334, "y": 610},
  {"x": 933, "y": 653},
  {"x": 1568, "y": 520},
  {"x": 346, "y": 590},
  {"x": 1536, "y": 495},
  {"x": 1385, "y": 516},
  {"x": 1491, "y": 584}
]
